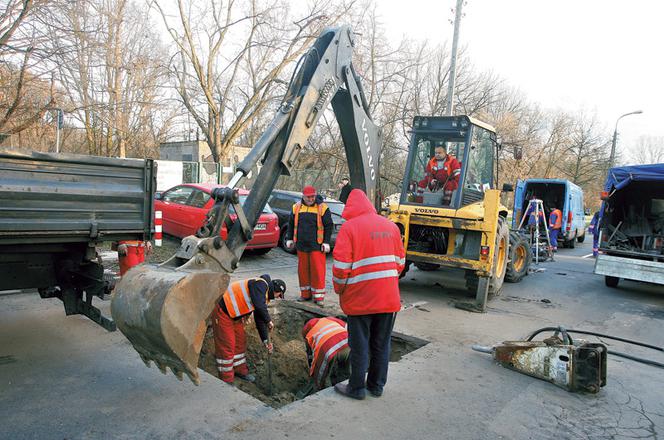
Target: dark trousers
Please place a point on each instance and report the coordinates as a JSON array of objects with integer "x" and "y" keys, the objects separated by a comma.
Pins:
[{"x": 369, "y": 339}]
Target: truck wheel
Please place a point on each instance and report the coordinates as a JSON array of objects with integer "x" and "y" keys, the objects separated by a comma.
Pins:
[
  {"x": 520, "y": 256},
  {"x": 581, "y": 238},
  {"x": 571, "y": 244},
  {"x": 611, "y": 281},
  {"x": 427, "y": 267}
]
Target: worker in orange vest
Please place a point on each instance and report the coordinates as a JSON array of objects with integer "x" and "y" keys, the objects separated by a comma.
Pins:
[
  {"x": 131, "y": 253},
  {"x": 241, "y": 299},
  {"x": 555, "y": 225},
  {"x": 442, "y": 173},
  {"x": 327, "y": 350},
  {"x": 310, "y": 230}
]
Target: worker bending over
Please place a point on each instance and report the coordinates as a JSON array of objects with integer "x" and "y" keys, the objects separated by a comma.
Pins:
[
  {"x": 327, "y": 350},
  {"x": 310, "y": 230},
  {"x": 238, "y": 302}
]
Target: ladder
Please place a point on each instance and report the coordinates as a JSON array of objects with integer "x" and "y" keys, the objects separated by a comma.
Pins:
[{"x": 538, "y": 207}]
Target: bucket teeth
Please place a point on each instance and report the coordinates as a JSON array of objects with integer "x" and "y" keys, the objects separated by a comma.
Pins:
[
  {"x": 146, "y": 361},
  {"x": 195, "y": 380},
  {"x": 178, "y": 373},
  {"x": 162, "y": 367}
]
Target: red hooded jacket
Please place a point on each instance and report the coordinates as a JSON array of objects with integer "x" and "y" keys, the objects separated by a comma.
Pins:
[{"x": 368, "y": 258}]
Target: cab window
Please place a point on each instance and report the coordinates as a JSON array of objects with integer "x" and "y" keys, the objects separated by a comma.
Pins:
[{"x": 479, "y": 175}]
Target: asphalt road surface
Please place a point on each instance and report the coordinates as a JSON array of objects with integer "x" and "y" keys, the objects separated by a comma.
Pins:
[{"x": 66, "y": 378}]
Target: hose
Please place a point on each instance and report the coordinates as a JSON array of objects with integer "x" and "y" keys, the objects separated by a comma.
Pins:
[{"x": 565, "y": 332}]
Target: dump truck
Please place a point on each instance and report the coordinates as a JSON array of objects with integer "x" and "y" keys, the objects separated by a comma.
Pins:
[
  {"x": 632, "y": 225},
  {"x": 56, "y": 209},
  {"x": 458, "y": 223}
]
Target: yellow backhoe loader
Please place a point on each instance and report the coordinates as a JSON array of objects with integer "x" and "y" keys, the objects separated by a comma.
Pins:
[{"x": 453, "y": 217}]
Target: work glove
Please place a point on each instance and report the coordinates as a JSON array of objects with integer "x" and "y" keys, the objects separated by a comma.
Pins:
[
  {"x": 270, "y": 325},
  {"x": 289, "y": 244},
  {"x": 325, "y": 248},
  {"x": 122, "y": 250},
  {"x": 148, "y": 247},
  {"x": 269, "y": 346}
]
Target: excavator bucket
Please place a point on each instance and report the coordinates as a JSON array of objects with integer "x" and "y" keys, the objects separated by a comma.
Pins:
[{"x": 163, "y": 313}]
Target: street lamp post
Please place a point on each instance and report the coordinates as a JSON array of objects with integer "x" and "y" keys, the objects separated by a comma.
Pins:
[{"x": 615, "y": 136}]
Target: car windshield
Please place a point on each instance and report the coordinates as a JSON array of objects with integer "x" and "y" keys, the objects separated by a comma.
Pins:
[
  {"x": 336, "y": 208},
  {"x": 266, "y": 210}
]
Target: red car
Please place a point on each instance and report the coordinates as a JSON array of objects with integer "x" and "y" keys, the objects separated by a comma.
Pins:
[{"x": 184, "y": 208}]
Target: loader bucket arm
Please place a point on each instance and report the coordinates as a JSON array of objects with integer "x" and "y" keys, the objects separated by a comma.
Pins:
[{"x": 162, "y": 309}]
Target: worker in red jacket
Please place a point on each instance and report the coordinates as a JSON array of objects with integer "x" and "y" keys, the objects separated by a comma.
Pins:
[
  {"x": 555, "y": 225},
  {"x": 327, "y": 350},
  {"x": 310, "y": 230},
  {"x": 241, "y": 299},
  {"x": 442, "y": 173},
  {"x": 368, "y": 258}
]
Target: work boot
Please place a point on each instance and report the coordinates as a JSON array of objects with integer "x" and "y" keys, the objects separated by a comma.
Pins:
[
  {"x": 320, "y": 303},
  {"x": 248, "y": 377},
  {"x": 342, "y": 388}
]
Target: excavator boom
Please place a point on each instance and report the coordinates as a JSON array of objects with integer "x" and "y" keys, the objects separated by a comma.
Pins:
[{"x": 162, "y": 309}]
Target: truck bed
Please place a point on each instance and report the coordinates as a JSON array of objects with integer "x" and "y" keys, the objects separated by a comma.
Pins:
[{"x": 65, "y": 198}]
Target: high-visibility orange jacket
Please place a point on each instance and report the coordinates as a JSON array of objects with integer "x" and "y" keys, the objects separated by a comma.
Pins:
[
  {"x": 310, "y": 226},
  {"x": 368, "y": 258},
  {"x": 556, "y": 219},
  {"x": 326, "y": 337},
  {"x": 248, "y": 296}
]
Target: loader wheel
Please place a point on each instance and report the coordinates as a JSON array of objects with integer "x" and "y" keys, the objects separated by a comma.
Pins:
[
  {"x": 427, "y": 267},
  {"x": 499, "y": 263},
  {"x": 520, "y": 257}
]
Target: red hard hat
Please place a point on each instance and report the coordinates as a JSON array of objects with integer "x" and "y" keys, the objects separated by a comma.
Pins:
[{"x": 309, "y": 191}]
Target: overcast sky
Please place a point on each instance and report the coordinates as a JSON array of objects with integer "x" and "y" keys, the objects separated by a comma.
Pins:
[{"x": 599, "y": 56}]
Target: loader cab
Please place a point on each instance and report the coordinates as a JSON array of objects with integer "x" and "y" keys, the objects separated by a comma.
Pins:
[{"x": 470, "y": 146}]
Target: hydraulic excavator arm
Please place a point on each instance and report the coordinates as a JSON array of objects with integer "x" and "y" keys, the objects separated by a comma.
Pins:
[{"x": 162, "y": 309}]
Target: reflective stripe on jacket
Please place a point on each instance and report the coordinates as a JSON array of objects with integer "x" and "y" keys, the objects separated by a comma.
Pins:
[
  {"x": 368, "y": 258},
  {"x": 556, "y": 219},
  {"x": 326, "y": 337},
  {"x": 238, "y": 300}
]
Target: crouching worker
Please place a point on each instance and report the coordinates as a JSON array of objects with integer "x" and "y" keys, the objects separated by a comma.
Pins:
[
  {"x": 327, "y": 350},
  {"x": 238, "y": 302}
]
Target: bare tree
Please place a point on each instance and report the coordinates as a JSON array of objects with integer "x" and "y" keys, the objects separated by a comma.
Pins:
[
  {"x": 648, "y": 149},
  {"x": 231, "y": 59}
]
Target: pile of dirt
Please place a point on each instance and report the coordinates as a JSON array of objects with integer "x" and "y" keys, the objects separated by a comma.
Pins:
[{"x": 290, "y": 374}]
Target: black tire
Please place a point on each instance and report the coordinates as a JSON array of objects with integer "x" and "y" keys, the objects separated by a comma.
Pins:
[
  {"x": 571, "y": 244},
  {"x": 581, "y": 238},
  {"x": 520, "y": 257},
  {"x": 611, "y": 281},
  {"x": 282, "y": 240},
  {"x": 427, "y": 267}
]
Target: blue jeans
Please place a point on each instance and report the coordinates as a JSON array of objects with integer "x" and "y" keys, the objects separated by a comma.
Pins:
[{"x": 369, "y": 339}]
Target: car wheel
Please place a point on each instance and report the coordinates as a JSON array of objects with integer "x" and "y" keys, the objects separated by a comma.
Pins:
[{"x": 611, "y": 281}]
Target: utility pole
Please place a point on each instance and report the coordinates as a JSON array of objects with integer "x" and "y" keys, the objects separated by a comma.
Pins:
[{"x": 455, "y": 44}]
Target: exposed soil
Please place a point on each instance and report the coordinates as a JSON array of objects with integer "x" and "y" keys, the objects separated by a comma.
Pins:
[
  {"x": 290, "y": 375},
  {"x": 289, "y": 359}
]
